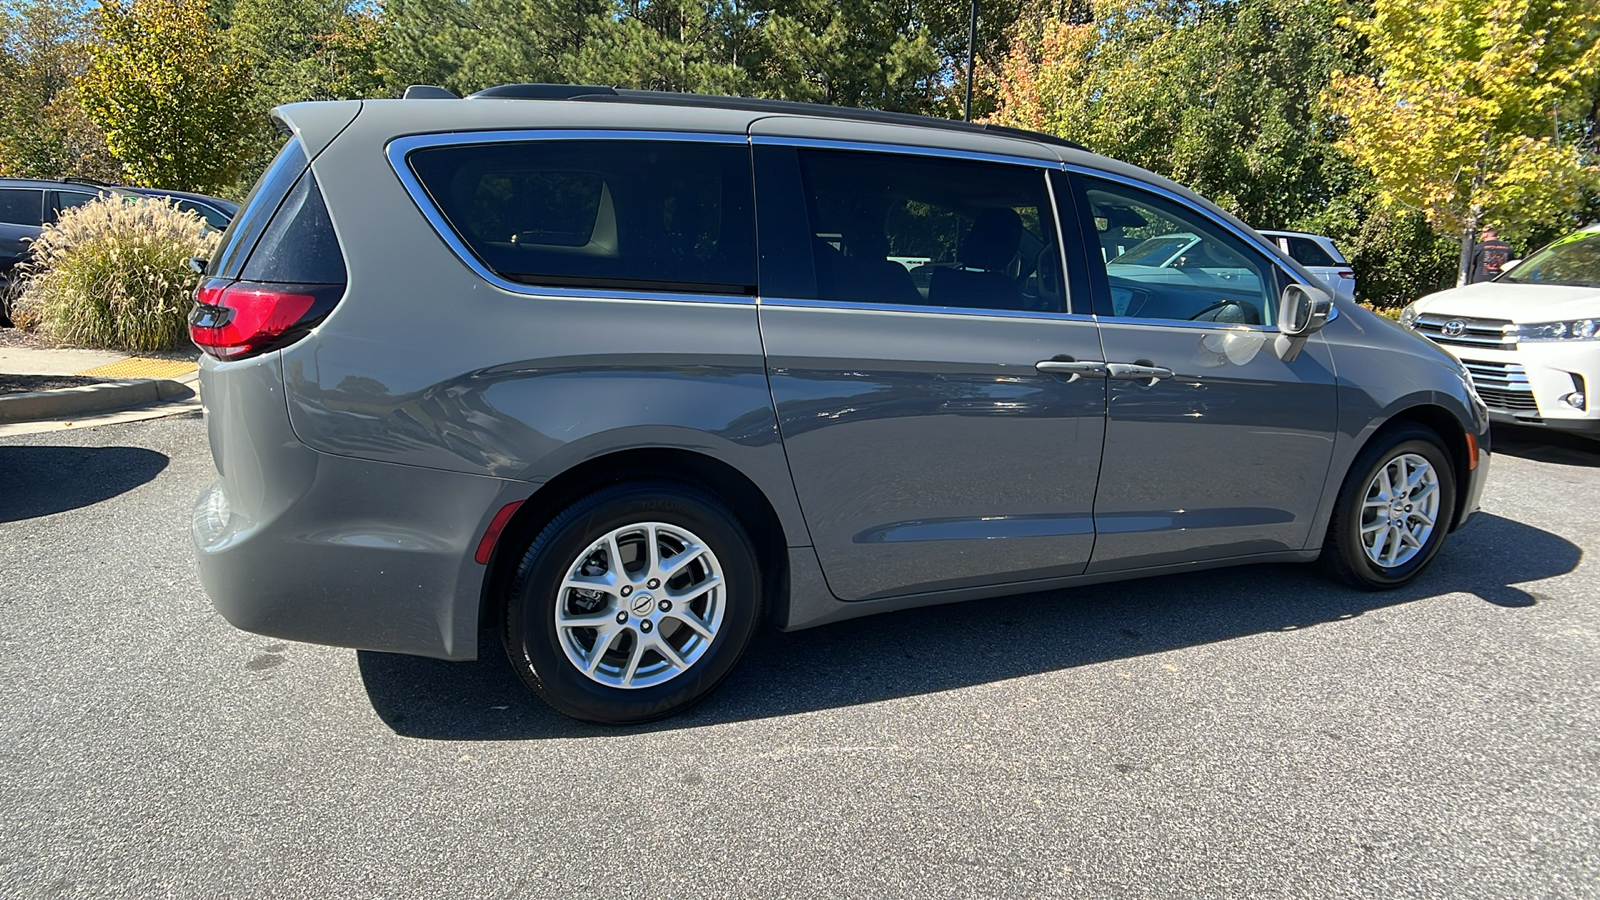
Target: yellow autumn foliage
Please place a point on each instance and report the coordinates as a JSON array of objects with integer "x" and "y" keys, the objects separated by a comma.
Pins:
[{"x": 1469, "y": 115}]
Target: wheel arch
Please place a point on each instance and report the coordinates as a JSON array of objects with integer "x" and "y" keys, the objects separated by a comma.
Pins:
[{"x": 742, "y": 495}]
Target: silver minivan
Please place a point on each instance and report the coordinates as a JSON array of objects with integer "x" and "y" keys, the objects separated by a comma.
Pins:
[{"x": 621, "y": 375}]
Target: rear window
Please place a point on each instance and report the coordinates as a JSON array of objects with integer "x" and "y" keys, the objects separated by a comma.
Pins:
[
  {"x": 639, "y": 215},
  {"x": 263, "y": 201},
  {"x": 1307, "y": 252},
  {"x": 21, "y": 206}
]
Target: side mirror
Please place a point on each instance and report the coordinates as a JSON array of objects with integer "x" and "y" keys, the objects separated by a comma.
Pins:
[
  {"x": 1509, "y": 264},
  {"x": 1302, "y": 311}
]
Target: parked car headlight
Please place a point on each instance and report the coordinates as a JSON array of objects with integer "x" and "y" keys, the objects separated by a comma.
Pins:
[
  {"x": 1408, "y": 316},
  {"x": 1571, "y": 330}
]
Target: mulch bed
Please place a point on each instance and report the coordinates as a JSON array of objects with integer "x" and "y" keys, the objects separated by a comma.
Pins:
[
  {"x": 16, "y": 337},
  {"x": 22, "y": 384}
]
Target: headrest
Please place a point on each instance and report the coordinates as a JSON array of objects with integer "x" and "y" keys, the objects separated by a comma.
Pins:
[{"x": 992, "y": 240}]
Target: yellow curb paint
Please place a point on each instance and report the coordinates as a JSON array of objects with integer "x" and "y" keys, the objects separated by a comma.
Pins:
[{"x": 140, "y": 367}]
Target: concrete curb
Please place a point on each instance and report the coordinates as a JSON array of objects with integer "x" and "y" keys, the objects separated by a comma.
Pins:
[{"x": 90, "y": 399}]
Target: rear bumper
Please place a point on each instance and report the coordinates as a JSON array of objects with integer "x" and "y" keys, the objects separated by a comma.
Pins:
[{"x": 298, "y": 544}]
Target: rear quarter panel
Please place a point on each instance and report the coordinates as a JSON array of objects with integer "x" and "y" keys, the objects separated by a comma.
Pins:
[{"x": 426, "y": 364}]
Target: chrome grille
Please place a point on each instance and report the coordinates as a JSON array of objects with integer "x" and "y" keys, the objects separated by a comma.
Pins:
[
  {"x": 1503, "y": 386},
  {"x": 1464, "y": 332}
]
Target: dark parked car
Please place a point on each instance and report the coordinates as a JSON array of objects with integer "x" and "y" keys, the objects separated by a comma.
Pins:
[
  {"x": 26, "y": 206},
  {"x": 216, "y": 211},
  {"x": 620, "y": 375}
]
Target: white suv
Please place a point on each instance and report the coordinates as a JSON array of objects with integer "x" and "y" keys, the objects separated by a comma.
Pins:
[
  {"x": 1319, "y": 255},
  {"x": 1530, "y": 338}
]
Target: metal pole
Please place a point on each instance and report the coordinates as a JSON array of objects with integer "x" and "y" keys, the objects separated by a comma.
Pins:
[{"x": 972, "y": 51}]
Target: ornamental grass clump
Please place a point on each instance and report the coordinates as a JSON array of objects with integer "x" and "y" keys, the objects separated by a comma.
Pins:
[{"x": 115, "y": 274}]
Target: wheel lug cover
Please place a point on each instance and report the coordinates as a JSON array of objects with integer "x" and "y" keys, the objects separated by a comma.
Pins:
[
  {"x": 627, "y": 589},
  {"x": 654, "y": 583},
  {"x": 645, "y": 626},
  {"x": 665, "y": 606},
  {"x": 622, "y": 618}
]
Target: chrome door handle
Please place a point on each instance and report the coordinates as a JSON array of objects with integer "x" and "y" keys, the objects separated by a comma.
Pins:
[
  {"x": 1072, "y": 367},
  {"x": 1139, "y": 371}
]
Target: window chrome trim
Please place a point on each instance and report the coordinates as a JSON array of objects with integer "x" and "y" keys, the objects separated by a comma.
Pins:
[
  {"x": 399, "y": 149},
  {"x": 862, "y": 306},
  {"x": 910, "y": 149}
]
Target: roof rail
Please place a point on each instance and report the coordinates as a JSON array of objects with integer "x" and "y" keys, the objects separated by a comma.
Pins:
[
  {"x": 601, "y": 94},
  {"x": 541, "y": 92}
]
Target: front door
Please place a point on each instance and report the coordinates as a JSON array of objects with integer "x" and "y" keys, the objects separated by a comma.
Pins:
[
  {"x": 1215, "y": 446},
  {"x": 937, "y": 399}
]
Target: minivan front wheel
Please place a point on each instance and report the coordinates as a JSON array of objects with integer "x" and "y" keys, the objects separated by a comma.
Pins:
[
  {"x": 1393, "y": 511},
  {"x": 633, "y": 603}
]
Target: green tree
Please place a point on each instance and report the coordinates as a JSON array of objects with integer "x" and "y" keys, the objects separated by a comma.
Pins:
[
  {"x": 1216, "y": 94},
  {"x": 1475, "y": 113},
  {"x": 43, "y": 131},
  {"x": 299, "y": 50},
  {"x": 467, "y": 45},
  {"x": 869, "y": 53},
  {"x": 173, "y": 106},
  {"x": 669, "y": 45},
  {"x": 887, "y": 54}
]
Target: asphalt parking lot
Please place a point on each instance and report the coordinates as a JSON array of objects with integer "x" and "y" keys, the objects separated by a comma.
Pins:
[{"x": 1237, "y": 733}]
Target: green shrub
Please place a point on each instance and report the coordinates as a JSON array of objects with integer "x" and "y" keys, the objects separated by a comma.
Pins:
[{"x": 114, "y": 274}]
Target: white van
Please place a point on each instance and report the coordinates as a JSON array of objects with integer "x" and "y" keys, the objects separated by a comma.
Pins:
[{"x": 1530, "y": 338}]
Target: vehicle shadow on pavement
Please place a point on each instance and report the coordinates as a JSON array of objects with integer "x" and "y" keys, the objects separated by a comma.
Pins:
[
  {"x": 1546, "y": 446},
  {"x": 943, "y": 648},
  {"x": 39, "y": 481}
]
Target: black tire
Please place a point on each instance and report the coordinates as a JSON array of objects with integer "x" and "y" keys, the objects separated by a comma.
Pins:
[
  {"x": 1344, "y": 556},
  {"x": 531, "y": 637}
]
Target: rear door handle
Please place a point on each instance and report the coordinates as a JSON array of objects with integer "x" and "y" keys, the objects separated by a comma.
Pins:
[
  {"x": 1066, "y": 365},
  {"x": 1143, "y": 370}
]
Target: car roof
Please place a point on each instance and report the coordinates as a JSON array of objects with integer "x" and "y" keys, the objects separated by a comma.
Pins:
[
  {"x": 516, "y": 107},
  {"x": 53, "y": 183}
]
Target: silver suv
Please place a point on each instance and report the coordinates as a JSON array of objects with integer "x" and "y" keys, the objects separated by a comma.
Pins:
[{"x": 622, "y": 375}]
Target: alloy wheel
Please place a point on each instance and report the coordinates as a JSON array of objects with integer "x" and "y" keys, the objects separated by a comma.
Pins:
[
  {"x": 1399, "y": 510},
  {"x": 641, "y": 605}
]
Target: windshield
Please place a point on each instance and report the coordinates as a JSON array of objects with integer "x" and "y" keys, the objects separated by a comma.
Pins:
[{"x": 1573, "y": 260}]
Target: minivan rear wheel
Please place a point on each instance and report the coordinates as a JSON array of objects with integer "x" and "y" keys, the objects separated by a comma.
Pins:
[
  {"x": 633, "y": 603},
  {"x": 1393, "y": 511}
]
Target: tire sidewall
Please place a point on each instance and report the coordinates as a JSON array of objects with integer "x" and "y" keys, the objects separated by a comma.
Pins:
[
  {"x": 1412, "y": 441},
  {"x": 534, "y": 644}
]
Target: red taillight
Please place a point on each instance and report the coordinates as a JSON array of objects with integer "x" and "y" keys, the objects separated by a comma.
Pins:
[
  {"x": 232, "y": 319},
  {"x": 1346, "y": 273}
]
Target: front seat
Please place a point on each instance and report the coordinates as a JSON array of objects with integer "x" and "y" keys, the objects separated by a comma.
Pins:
[{"x": 980, "y": 279}]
